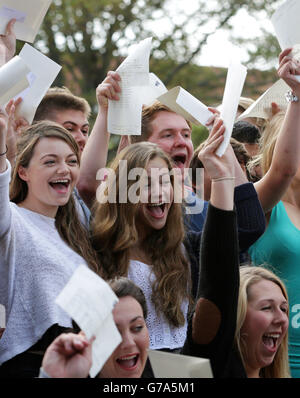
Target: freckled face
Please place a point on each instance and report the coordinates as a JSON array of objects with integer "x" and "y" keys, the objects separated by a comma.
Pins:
[{"x": 129, "y": 358}]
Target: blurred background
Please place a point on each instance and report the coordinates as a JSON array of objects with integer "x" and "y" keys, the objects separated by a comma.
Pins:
[{"x": 191, "y": 46}]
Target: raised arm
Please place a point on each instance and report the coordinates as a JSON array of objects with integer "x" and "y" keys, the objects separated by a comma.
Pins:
[
  {"x": 212, "y": 328},
  {"x": 14, "y": 129},
  {"x": 94, "y": 155},
  {"x": 286, "y": 158}
]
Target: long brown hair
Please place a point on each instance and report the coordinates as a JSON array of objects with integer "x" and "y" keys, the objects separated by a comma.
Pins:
[
  {"x": 114, "y": 232},
  {"x": 67, "y": 222}
]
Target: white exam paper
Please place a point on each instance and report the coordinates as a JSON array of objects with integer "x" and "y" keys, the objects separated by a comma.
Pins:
[
  {"x": 168, "y": 365},
  {"x": 286, "y": 23},
  {"x": 262, "y": 107},
  {"x": 235, "y": 79},
  {"x": 44, "y": 72},
  {"x": 185, "y": 104},
  {"x": 89, "y": 301},
  {"x": 28, "y": 13},
  {"x": 13, "y": 79},
  {"x": 124, "y": 116}
]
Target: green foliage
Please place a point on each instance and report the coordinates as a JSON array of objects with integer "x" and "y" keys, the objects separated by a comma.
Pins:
[{"x": 90, "y": 37}]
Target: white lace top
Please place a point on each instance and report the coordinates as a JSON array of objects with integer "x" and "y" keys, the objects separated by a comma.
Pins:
[{"x": 162, "y": 334}]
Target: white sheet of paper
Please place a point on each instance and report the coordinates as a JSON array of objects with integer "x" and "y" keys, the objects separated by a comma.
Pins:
[
  {"x": 89, "y": 301},
  {"x": 124, "y": 116},
  {"x": 2, "y": 316},
  {"x": 235, "y": 80},
  {"x": 44, "y": 71},
  {"x": 168, "y": 365},
  {"x": 13, "y": 79},
  {"x": 285, "y": 21},
  {"x": 29, "y": 15},
  {"x": 185, "y": 104},
  {"x": 262, "y": 106},
  {"x": 151, "y": 92}
]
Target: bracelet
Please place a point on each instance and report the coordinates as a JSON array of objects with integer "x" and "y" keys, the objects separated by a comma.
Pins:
[
  {"x": 222, "y": 179},
  {"x": 4, "y": 153}
]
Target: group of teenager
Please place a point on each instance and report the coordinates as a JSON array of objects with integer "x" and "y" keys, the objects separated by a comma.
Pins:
[{"x": 181, "y": 276}]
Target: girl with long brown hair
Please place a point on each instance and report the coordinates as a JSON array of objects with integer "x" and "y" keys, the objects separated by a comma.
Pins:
[{"x": 41, "y": 242}]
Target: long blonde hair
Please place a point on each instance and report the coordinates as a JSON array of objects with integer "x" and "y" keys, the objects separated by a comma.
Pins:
[
  {"x": 114, "y": 232},
  {"x": 267, "y": 143},
  {"x": 249, "y": 275},
  {"x": 67, "y": 223}
]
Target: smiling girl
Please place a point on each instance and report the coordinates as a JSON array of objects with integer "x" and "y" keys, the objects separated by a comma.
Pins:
[{"x": 41, "y": 242}]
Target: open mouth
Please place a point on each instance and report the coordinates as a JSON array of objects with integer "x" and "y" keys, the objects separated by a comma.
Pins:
[
  {"x": 128, "y": 362},
  {"x": 271, "y": 340},
  {"x": 179, "y": 160},
  {"x": 157, "y": 210},
  {"x": 61, "y": 185}
]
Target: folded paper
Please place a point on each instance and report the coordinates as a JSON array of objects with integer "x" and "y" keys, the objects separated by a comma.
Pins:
[
  {"x": 29, "y": 15},
  {"x": 43, "y": 73},
  {"x": 124, "y": 116},
  {"x": 262, "y": 107},
  {"x": 185, "y": 104},
  {"x": 13, "y": 79},
  {"x": 168, "y": 365},
  {"x": 89, "y": 301}
]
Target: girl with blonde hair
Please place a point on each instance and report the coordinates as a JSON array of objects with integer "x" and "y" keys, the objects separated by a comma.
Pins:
[{"x": 42, "y": 242}]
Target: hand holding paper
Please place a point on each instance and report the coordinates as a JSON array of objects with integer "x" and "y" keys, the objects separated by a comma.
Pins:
[
  {"x": 43, "y": 72},
  {"x": 8, "y": 43},
  {"x": 29, "y": 15},
  {"x": 90, "y": 301},
  {"x": 124, "y": 116}
]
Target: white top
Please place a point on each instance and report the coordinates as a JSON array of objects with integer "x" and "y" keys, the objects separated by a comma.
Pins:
[
  {"x": 35, "y": 265},
  {"x": 162, "y": 334}
]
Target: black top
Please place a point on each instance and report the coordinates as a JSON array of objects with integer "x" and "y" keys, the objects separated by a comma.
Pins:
[{"x": 217, "y": 296}]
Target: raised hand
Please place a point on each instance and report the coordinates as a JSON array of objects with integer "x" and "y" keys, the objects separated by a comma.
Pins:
[
  {"x": 288, "y": 69},
  {"x": 8, "y": 43},
  {"x": 108, "y": 89},
  {"x": 215, "y": 166},
  {"x": 68, "y": 356}
]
